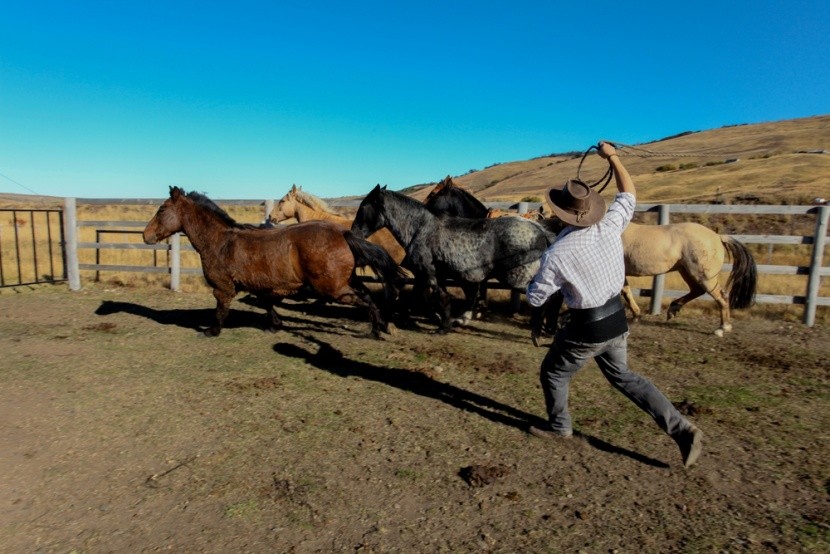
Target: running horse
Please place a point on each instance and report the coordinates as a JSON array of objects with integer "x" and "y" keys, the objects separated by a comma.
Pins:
[
  {"x": 273, "y": 263},
  {"x": 303, "y": 206},
  {"x": 443, "y": 247},
  {"x": 698, "y": 254}
]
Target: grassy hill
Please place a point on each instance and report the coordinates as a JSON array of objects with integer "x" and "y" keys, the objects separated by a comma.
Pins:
[{"x": 774, "y": 164}]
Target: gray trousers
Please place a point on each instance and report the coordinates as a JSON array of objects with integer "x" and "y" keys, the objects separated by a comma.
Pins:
[{"x": 567, "y": 356}]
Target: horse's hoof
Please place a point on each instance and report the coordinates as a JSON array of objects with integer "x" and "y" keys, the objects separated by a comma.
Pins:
[
  {"x": 212, "y": 332},
  {"x": 535, "y": 340},
  {"x": 718, "y": 332}
]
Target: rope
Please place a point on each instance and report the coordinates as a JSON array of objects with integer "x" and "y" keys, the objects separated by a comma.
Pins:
[
  {"x": 606, "y": 177},
  {"x": 640, "y": 152}
]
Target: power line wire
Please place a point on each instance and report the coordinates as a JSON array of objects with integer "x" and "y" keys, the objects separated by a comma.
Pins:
[{"x": 21, "y": 185}]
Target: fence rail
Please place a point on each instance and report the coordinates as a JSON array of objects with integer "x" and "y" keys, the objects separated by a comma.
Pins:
[{"x": 810, "y": 299}]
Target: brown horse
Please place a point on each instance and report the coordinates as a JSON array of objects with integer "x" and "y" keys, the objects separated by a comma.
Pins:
[
  {"x": 302, "y": 206},
  {"x": 273, "y": 263},
  {"x": 697, "y": 253}
]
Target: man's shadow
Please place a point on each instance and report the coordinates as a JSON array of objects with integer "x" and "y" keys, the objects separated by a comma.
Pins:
[{"x": 332, "y": 360}]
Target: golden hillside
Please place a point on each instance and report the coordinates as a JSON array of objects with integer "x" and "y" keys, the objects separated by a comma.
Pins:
[{"x": 776, "y": 164}]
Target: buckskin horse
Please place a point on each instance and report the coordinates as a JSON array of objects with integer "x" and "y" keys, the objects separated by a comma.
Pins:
[
  {"x": 273, "y": 263},
  {"x": 441, "y": 248}
]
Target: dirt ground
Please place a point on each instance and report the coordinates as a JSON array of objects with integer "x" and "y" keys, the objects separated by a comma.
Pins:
[{"x": 125, "y": 430}]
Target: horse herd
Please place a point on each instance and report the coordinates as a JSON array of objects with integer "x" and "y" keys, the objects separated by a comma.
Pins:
[{"x": 450, "y": 237}]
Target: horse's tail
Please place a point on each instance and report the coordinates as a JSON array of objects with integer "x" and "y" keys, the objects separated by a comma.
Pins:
[
  {"x": 744, "y": 276},
  {"x": 369, "y": 254}
]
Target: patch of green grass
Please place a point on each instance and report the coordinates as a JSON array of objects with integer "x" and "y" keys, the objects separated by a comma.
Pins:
[
  {"x": 407, "y": 474},
  {"x": 247, "y": 509},
  {"x": 726, "y": 396}
]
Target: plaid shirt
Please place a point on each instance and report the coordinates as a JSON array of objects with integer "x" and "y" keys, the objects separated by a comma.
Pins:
[{"x": 587, "y": 263}]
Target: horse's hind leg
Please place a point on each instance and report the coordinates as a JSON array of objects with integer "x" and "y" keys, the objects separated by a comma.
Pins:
[
  {"x": 359, "y": 295},
  {"x": 471, "y": 295},
  {"x": 630, "y": 301},
  {"x": 696, "y": 290},
  {"x": 270, "y": 304},
  {"x": 712, "y": 286},
  {"x": 723, "y": 303}
]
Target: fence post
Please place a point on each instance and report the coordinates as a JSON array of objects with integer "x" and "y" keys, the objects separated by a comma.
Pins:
[
  {"x": 70, "y": 234},
  {"x": 658, "y": 282},
  {"x": 814, "y": 280},
  {"x": 523, "y": 207},
  {"x": 175, "y": 261}
]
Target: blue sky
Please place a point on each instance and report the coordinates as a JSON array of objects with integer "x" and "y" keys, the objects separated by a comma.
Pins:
[{"x": 243, "y": 99}]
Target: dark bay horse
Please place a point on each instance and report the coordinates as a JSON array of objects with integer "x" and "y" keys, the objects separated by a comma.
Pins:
[
  {"x": 273, "y": 263},
  {"x": 447, "y": 198},
  {"x": 440, "y": 248}
]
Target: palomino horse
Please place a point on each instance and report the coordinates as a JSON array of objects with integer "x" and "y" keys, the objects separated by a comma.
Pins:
[
  {"x": 440, "y": 248},
  {"x": 273, "y": 263},
  {"x": 303, "y": 206},
  {"x": 697, "y": 253}
]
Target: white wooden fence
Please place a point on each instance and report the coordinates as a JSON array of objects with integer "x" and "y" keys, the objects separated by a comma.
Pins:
[{"x": 810, "y": 299}]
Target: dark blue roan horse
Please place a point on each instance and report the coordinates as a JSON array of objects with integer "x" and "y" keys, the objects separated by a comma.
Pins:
[
  {"x": 440, "y": 248},
  {"x": 447, "y": 198}
]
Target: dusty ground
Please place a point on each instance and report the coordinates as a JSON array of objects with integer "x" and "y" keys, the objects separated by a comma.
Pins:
[{"x": 123, "y": 430}]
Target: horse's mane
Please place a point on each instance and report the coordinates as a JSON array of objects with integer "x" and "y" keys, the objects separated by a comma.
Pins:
[
  {"x": 313, "y": 202},
  {"x": 204, "y": 202},
  {"x": 405, "y": 199}
]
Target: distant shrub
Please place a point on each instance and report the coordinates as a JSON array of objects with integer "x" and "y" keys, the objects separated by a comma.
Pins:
[
  {"x": 531, "y": 199},
  {"x": 688, "y": 166},
  {"x": 709, "y": 164},
  {"x": 664, "y": 168}
]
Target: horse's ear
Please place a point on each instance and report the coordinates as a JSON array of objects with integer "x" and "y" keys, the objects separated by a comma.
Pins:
[
  {"x": 175, "y": 192},
  {"x": 384, "y": 187},
  {"x": 294, "y": 188}
]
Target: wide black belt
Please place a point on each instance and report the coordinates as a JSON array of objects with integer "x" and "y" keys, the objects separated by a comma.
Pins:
[{"x": 588, "y": 315}]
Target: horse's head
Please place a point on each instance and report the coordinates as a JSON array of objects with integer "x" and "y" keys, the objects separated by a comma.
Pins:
[
  {"x": 449, "y": 199},
  {"x": 439, "y": 188},
  {"x": 167, "y": 220},
  {"x": 370, "y": 214},
  {"x": 286, "y": 208}
]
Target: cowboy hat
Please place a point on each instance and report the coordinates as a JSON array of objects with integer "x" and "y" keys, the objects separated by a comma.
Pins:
[{"x": 576, "y": 203}]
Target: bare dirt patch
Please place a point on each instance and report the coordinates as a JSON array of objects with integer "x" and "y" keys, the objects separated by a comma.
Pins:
[{"x": 125, "y": 430}]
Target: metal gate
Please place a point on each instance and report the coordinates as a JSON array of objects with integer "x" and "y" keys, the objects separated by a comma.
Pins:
[{"x": 31, "y": 247}]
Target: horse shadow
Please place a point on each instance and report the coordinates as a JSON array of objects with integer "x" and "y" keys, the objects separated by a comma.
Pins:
[
  {"x": 328, "y": 358},
  {"x": 198, "y": 319}
]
